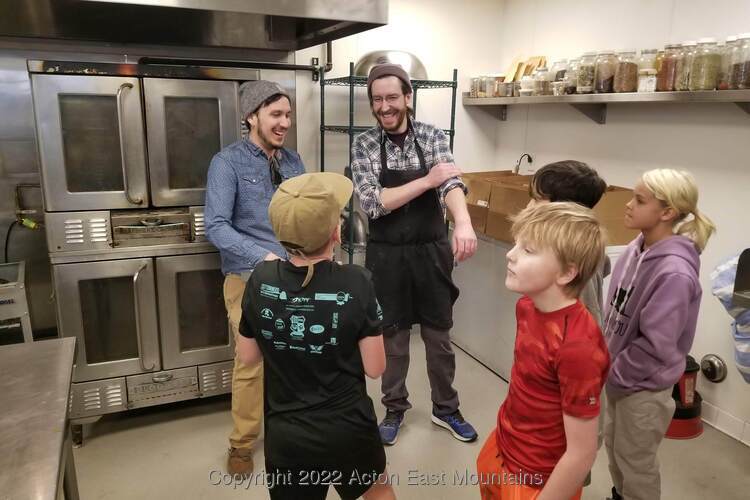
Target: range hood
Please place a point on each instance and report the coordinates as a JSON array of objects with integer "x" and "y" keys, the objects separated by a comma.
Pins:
[{"x": 258, "y": 24}]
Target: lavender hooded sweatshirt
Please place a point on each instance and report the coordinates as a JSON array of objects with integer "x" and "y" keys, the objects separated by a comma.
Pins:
[{"x": 651, "y": 313}]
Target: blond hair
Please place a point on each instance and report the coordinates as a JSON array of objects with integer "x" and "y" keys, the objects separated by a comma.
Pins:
[
  {"x": 571, "y": 231},
  {"x": 678, "y": 190}
]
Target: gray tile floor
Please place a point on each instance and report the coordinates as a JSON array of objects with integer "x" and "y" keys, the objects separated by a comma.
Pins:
[{"x": 169, "y": 452}]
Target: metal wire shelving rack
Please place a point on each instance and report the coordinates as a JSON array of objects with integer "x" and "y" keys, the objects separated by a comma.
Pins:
[{"x": 352, "y": 81}]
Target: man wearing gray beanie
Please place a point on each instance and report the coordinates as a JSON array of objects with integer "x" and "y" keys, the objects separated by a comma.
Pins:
[{"x": 241, "y": 181}]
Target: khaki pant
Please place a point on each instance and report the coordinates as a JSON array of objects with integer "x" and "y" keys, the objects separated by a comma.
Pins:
[
  {"x": 247, "y": 381},
  {"x": 634, "y": 427}
]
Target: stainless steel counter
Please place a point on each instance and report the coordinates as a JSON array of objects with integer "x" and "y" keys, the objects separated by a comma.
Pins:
[
  {"x": 35, "y": 448},
  {"x": 484, "y": 317}
]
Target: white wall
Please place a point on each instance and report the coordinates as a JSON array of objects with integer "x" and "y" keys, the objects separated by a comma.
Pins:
[
  {"x": 709, "y": 140},
  {"x": 480, "y": 37},
  {"x": 444, "y": 35}
]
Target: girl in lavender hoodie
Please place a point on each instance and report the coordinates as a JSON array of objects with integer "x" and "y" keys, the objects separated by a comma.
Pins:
[{"x": 649, "y": 325}]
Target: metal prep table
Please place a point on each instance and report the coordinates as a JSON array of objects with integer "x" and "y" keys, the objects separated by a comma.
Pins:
[{"x": 36, "y": 453}]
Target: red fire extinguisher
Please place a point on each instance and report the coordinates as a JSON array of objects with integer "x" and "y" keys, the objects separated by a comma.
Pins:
[{"x": 686, "y": 423}]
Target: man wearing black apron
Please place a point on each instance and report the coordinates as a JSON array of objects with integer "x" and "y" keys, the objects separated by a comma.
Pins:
[{"x": 405, "y": 177}]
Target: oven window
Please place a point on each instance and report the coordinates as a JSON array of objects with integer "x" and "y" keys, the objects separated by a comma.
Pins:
[
  {"x": 108, "y": 310},
  {"x": 91, "y": 143},
  {"x": 193, "y": 138},
  {"x": 202, "y": 316}
]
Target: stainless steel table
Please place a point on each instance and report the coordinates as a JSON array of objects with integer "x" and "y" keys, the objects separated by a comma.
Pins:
[{"x": 36, "y": 454}]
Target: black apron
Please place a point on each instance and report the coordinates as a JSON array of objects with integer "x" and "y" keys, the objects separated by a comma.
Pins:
[{"x": 410, "y": 257}]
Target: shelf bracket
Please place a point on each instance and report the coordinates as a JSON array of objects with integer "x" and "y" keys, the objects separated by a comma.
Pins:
[
  {"x": 744, "y": 106},
  {"x": 596, "y": 112},
  {"x": 503, "y": 113}
]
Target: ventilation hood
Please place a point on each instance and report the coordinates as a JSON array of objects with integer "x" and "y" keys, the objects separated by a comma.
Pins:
[{"x": 257, "y": 24}]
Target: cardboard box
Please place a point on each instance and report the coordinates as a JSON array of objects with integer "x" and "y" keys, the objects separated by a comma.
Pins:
[
  {"x": 479, "y": 185},
  {"x": 611, "y": 212},
  {"x": 507, "y": 197},
  {"x": 511, "y": 194}
]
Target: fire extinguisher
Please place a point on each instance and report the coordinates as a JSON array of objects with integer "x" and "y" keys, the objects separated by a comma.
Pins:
[{"x": 686, "y": 423}]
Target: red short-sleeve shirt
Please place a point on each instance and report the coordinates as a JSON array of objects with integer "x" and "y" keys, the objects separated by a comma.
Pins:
[{"x": 560, "y": 366}]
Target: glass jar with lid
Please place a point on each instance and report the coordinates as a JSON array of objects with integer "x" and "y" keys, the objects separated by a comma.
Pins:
[
  {"x": 647, "y": 59},
  {"x": 585, "y": 75},
  {"x": 726, "y": 62},
  {"x": 604, "y": 75},
  {"x": 647, "y": 80},
  {"x": 571, "y": 76},
  {"x": 666, "y": 71},
  {"x": 559, "y": 68},
  {"x": 658, "y": 60},
  {"x": 704, "y": 72},
  {"x": 740, "y": 75},
  {"x": 527, "y": 86},
  {"x": 474, "y": 89},
  {"x": 685, "y": 61},
  {"x": 542, "y": 77},
  {"x": 626, "y": 72}
]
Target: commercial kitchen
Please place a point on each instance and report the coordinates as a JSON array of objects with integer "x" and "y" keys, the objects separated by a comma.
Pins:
[{"x": 116, "y": 351}]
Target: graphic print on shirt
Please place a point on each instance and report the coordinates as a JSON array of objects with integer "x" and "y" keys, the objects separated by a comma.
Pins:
[
  {"x": 297, "y": 327},
  {"x": 619, "y": 303},
  {"x": 340, "y": 298}
]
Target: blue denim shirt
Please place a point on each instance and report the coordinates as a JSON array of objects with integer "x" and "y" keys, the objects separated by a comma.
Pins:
[{"x": 238, "y": 192}]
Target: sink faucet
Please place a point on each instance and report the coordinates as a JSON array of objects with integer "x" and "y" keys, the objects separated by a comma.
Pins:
[{"x": 518, "y": 164}]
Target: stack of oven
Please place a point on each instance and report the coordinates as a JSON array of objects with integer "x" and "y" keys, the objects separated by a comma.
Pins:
[{"x": 124, "y": 162}]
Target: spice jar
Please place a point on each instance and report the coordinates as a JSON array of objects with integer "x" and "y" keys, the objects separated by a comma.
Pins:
[
  {"x": 527, "y": 86},
  {"x": 684, "y": 62},
  {"x": 571, "y": 77},
  {"x": 647, "y": 59},
  {"x": 496, "y": 88},
  {"x": 726, "y": 65},
  {"x": 647, "y": 80},
  {"x": 726, "y": 62},
  {"x": 604, "y": 76},
  {"x": 658, "y": 60},
  {"x": 542, "y": 81},
  {"x": 474, "y": 87},
  {"x": 740, "y": 75},
  {"x": 626, "y": 73},
  {"x": 559, "y": 68},
  {"x": 585, "y": 75},
  {"x": 704, "y": 72},
  {"x": 666, "y": 71}
]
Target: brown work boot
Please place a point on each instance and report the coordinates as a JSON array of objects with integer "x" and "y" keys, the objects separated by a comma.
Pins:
[{"x": 240, "y": 461}]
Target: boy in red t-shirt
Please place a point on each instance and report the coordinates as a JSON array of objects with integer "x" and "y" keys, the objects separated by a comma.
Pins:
[{"x": 546, "y": 436}]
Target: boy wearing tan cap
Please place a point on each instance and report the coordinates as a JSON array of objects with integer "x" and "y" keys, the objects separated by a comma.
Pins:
[{"x": 317, "y": 326}]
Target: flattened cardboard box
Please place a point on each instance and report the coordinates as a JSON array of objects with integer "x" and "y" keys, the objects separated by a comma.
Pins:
[
  {"x": 510, "y": 195},
  {"x": 479, "y": 185}
]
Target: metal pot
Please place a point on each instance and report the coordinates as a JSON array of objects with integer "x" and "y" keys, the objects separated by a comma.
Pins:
[{"x": 411, "y": 64}]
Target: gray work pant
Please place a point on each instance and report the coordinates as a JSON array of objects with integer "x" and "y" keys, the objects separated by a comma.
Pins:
[{"x": 441, "y": 369}]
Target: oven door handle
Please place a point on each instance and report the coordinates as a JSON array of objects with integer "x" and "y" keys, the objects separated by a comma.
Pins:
[
  {"x": 136, "y": 303},
  {"x": 138, "y": 200}
]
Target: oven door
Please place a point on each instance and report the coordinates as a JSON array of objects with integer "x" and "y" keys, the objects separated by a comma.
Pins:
[
  {"x": 188, "y": 122},
  {"x": 91, "y": 142},
  {"x": 110, "y": 307},
  {"x": 192, "y": 316}
]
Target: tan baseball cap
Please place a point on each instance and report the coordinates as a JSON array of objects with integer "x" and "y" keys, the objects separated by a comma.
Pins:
[{"x": 306, "y": 209}]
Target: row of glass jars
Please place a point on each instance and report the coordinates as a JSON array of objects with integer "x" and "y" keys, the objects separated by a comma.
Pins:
[{"x": 701, "y": 65}]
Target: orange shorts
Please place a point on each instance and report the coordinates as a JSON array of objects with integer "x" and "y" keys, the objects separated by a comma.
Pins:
[{"x": 496, "y": 482}]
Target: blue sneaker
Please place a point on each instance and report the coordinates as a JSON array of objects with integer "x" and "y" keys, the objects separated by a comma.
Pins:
[
  {"x": 460, "y": 428},
  {"x": 390, "y": 426}
]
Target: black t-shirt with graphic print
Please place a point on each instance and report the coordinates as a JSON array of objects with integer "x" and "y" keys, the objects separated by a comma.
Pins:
[{"x": 317, "y": 410}]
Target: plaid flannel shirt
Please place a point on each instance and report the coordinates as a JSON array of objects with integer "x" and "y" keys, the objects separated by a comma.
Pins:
[{"x": 366, "y": 163}]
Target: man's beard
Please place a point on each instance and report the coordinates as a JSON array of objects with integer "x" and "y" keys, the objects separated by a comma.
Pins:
[
  {"x": 267, "y": 142},
  {"x": 402, "y": 114}
]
